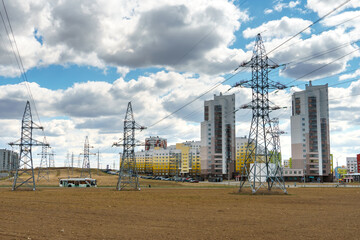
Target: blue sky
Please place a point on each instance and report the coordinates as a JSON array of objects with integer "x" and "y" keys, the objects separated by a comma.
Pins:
[{"x": 85, "y": 61}]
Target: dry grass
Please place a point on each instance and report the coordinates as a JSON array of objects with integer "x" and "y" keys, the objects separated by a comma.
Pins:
[
  {"x": 103, "y": 180},
  {"x": 181, "y": 213}
]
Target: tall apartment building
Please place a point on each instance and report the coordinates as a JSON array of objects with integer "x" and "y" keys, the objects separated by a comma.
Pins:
[
  {"x": 351, "y": 165},
  {"x": 217, "y": 152},
  {"x": 310, "y": 138},
  {"x": 8, "y": 160},
  {"x": 152, "y": 142}
]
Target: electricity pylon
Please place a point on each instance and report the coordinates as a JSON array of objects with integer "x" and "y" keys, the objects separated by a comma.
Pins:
[
  {"x": 276, "y": 135},
  {"x": 44, "y": 166},
  {"x": 86, "y": 170},
  {"x": 98, "y": 161},
  {"x": 72, "y": 164},
  {"x": 51, "y": 159},
  {"x": 262, "y": 167},
  {"x": 128, "y": 175},
  {"x": 24, "y": 175}
]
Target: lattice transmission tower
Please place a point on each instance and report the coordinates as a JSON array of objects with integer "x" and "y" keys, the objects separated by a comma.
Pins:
[
  {"x": 276, "y": 135},
  {"x": 128, "y": 175},
  {"x": 86, "y": 170},
  {"x": 262, "y": 168},
  {"x": 44, "y": 163},
  {"x": 24, "y": 175},
  {"x": 51, "y": 159}
]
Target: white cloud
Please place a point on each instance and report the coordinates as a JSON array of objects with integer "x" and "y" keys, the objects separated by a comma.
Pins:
[
  {"x": 268, "y": 11},
  {"x": 168, "y": 34},
  {"x": 293, "y": 4},
  {"x": 315, "y": 57},
  {"x": 280, "y": 5},
  {"x": 350, "y": 76},
  {"x": 278, "y": 28},
  {"x": 322, "y": 7},
  {"x": 97, "y": 109}
]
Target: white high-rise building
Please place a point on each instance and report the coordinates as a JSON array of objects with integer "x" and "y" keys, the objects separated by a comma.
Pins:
[
  {"x": 310, "y": 138},
  {"x": 217, "y": 152}
]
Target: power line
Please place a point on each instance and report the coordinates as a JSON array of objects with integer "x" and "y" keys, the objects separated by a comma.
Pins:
[
  {"x": 187, "y": 104},
  {"x": 179, "y": 109},
  {"x": 18, "y": 58},
  {"x": 323, "y": 66},
  {"x": 321, "y": 32},
  {"x": 312, "y": 24}
]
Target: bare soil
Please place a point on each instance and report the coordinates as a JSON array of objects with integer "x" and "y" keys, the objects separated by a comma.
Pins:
[{"x": 178, "y": 213}]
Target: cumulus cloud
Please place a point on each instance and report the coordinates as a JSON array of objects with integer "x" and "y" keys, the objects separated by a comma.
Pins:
[
  {"x": 322, "y": 7},
  {"x": 280, "y": 5},
  {"x": 350, "y": 76},
  {"x": 106, "y": 33},
  {"x": 319, "y": 56},
  {"x": 97, "y": 109},
  {"x": 268, "y": 11},
  {"x": 278, "y": 28}
]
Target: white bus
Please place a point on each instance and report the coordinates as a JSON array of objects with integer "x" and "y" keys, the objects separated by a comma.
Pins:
[{"x": 77, "y": 182}]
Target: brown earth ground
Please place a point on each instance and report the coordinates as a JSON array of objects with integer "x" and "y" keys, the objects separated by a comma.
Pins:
[{"x": 171, "y": 210}]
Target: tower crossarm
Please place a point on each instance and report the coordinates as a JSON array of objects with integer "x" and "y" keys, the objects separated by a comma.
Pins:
[
  {"x": 36, "y": 126},
  {"x": 32, "y": 143}
]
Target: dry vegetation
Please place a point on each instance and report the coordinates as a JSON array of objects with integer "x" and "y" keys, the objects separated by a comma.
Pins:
[
  {"x": 103, "y": 179},
  {"x": 164, "y": 212}
]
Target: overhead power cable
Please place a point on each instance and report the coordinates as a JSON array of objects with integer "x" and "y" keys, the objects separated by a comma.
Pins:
[
  {"x": 18, "y": 58},
  {"x": 323, "y": 66},
  {"x": 324, "y": 30},
  {"x": 179, "y": 109},
  {"x": 187, "y": 104},
  {"x": 312, "y": 24}
]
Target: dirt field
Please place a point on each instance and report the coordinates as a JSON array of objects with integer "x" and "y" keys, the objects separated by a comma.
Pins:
[{"x": 181, "y": 213}]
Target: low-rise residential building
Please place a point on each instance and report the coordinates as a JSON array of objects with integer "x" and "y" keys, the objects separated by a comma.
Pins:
[
  {"x": 182, "y": 159},
  {"x": 292, "y": 174}
]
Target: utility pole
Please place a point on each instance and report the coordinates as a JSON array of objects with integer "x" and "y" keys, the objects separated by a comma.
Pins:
[
  {"x": 128, "y": 175},
  {"x": 79, "y": 161},
  {"x": 72, "y": 164},
  {"x": 24, "y": 175},
  {"x": 262, "y": 165},
  {"x": 98, "y": 161},
  {"x": 67, "y": 163}
]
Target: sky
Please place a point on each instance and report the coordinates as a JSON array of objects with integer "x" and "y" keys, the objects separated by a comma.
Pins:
[{"x": 85, "y": 60}]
